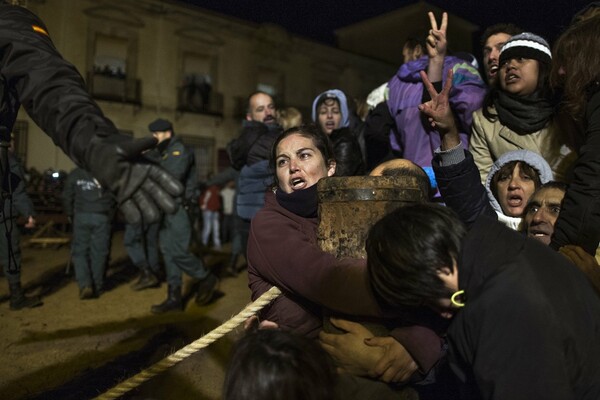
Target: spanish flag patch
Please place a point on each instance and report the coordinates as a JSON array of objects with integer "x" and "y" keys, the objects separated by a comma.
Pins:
[
  {"x": 39, "y": 29},
  {"x": 176, "y": 153}
]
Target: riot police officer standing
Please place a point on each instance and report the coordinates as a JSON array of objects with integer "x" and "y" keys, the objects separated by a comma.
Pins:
[{"x": 175, "y": 231}]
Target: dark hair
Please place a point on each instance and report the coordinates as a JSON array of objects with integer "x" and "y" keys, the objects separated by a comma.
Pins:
[
  {"x": 251, "y": 95},
  {"x": 405, "y": 250},
  {"x": 509, "y": 29},
  {"x": 554, "y": 185},
  {"x": 589, "y": 11},
  {"x": 576, "y": 52},
  {"x": 327, "y": 100},
  {"x": 543, "y": 90},
  {"x": 271, "y": 364},
  {"x": 417, "y": 172},
  {"x": 507, "y": 170},
  {"x": 412, "y": 42},
  {"x": 319, "y": 139},
  {"x": 562, "y": 186}
]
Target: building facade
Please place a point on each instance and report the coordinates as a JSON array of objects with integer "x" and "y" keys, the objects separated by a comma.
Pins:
[{"x": 142, "y": 59}]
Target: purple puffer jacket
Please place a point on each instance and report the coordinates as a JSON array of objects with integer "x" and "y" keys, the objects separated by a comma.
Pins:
[{"x": 414, "y": 137}]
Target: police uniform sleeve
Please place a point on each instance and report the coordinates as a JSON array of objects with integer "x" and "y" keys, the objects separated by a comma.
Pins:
[
  {"x": 50, "y": 89},
  {"x": 53, "y": 93}
]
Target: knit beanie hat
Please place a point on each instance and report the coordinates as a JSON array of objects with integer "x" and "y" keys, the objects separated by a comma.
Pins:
[{"x": 526, "y": 45}]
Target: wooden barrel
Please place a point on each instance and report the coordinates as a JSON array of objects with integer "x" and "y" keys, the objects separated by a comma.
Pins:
[{"x": 350, "y": 206}]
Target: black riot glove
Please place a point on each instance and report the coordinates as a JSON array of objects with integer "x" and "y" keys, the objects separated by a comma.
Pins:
[{"x": 141, "y": 187}]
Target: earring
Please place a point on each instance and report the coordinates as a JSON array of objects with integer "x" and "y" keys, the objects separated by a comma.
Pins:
[{"x": 454, "y": 300}]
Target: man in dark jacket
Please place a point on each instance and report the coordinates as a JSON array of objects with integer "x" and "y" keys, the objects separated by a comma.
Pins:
[
  {"x": 10, "y": 250},
  {"x": 519, "y": 310},
  {"x": 91, "y": 208},
  {"x": 34, "y": 74},
  {"x": 249, "y": 154},
  {"x": 175, "y": 231}
]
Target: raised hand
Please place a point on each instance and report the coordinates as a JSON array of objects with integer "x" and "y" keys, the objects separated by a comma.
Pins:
[
  {"x": 438, "y": 111},
  {"x": 436, "y": 42}
]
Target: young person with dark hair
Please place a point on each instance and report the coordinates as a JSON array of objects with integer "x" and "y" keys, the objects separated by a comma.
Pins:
[
  {"x": 331, "y": 114},
  {"x": 271, "y": 364},
  {"x": 518, "y": 111},
  {"x": 522, "y": 325}
]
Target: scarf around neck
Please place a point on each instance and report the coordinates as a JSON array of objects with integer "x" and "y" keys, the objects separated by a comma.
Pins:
[
  {"x": 303, "y": 203},
  {"x": 523, "y": 114}
]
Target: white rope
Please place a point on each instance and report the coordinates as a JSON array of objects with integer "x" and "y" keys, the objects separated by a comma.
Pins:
[{"x": 167, "y": 362}]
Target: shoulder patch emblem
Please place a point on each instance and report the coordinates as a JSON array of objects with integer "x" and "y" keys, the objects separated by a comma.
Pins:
[
  {"x": 176, "y": 153},
  {"x": 39, "y": 29}
]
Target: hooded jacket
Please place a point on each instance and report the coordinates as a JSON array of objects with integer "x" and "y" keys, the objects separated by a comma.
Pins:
[
  {"x": 529, "y": 157},
  {"x": 414, "y": 137},
  {"x": 346, "y": 149}
]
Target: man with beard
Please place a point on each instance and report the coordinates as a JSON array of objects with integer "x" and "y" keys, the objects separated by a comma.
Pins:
[
  {"x": 492, "y": 40},
  {"x": 249, "y": 154}
]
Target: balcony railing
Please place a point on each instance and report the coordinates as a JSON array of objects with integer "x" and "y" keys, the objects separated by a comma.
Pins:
[
  {"x": 109, "y": 88},
  {"x": 196, "y": 100}
]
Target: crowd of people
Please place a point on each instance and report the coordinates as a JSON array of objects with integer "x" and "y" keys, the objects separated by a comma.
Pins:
[
  {"x": 482, "y": 294},
  {"x": 487, "y": 288}
]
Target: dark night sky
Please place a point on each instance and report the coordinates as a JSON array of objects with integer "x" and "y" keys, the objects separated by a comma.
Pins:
[{"x": 317, "y": 19}]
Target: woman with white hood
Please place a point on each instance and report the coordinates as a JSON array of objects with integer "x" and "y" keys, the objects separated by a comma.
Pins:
[
  {"x": 513, "y": 178},
  {"x": 332, "y": 117}
]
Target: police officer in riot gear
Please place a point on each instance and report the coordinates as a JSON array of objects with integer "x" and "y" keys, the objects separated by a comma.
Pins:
[{"x": 175, "y": 230}]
